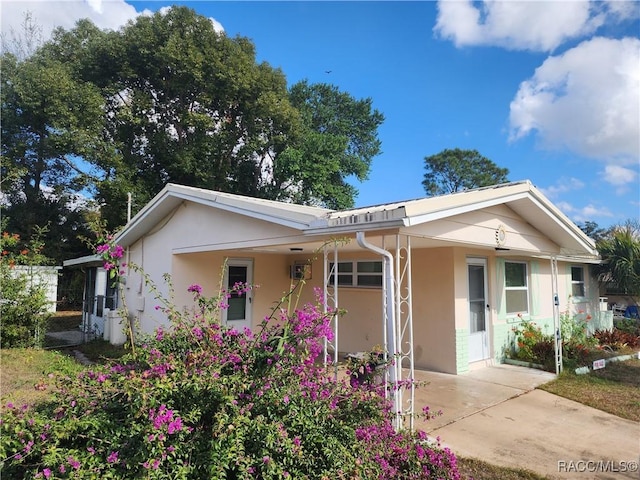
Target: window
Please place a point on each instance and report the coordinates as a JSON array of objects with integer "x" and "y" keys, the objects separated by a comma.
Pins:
[
  {"x": 516, "y": 287},
  {"x": 363, "y": 273},
  {"x": 577, "y": 281}
]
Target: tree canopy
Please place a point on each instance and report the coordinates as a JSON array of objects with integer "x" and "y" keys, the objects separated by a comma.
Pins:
[
  {"x": 338, "y": 139},
  {"x": 620, "y": 253},
  {"x": 455, "y": 170},
  {"x": 594, "y": 231},
  {"x": 49, "y": 122},
  {"x": 167, "y": 98}
]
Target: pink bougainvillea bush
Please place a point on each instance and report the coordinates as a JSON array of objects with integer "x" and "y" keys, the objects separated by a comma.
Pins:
[{"x": 203, "y": 401}]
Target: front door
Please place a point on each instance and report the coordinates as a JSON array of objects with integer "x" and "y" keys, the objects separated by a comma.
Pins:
[
  {"x": 478, "y": 308},
  {"x": 238, "y": 314}
]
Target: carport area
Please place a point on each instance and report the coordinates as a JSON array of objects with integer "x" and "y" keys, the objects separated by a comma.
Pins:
[
  {"x": 459, "y": 396},
  {"x": 495, "y": 414}
]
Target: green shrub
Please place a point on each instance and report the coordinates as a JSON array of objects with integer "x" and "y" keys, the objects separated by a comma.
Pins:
[
  {"x": 629, "y": 325},
  {"x": 533, "y": 346},
  {"x": 203, "y": 401},
  {"x": 617, "y": 339},
  {"x": 23, "y": 294}
]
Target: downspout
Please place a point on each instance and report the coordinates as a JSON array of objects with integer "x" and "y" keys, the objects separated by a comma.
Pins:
[{"x": 390, "y": 347}]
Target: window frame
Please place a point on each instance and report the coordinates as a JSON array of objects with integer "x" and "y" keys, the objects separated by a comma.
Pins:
[
  {"x": 581, "y": 282},
  {"x": 524, "y": 288},
  {"x": 355, "y": 274}
]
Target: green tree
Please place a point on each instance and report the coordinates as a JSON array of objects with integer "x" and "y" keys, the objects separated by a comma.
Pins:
[
  {"x": 594, "y": 231},
  {"x": 168, "y": 99},
  {"x": 184, "y": 104},
  {"x": 456, "y": 170},
  {"x": 339, "y": 140},
  {"x": 23, "y": 291},
  {"x": 51, "y": 127},
  {"x": 620, "y": 253}
]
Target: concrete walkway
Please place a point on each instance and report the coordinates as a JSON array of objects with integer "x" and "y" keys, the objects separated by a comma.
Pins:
[
  {"x": 496, "y": 415},
  {"x": 67, "y": 338}
]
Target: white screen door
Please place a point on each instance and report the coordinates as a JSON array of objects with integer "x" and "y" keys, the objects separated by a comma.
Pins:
[
  {"x": 238, "y": 315},
  {"x": 478, "y": 308}
]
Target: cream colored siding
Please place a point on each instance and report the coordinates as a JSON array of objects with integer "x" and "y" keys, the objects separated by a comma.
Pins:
[
  {"x": 479, "y": 227},
  {"x": 199, "y": 227},
  {"x": 188, "y": 233},
  {"x": 434, "y": 318}
]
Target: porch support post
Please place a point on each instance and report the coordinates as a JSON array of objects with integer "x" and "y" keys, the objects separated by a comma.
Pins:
[
  {"x": 556, "y": 315},
  {"x": 330, "y": 301},
  {"x": 404, "y": 321},
  {"x": 388, "y": 303}
]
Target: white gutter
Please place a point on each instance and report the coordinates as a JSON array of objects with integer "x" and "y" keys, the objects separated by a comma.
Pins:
[{"x": 391, "y": 334}]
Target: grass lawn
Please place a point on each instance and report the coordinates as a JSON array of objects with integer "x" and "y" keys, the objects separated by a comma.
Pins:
[
  {"x": 475, "y": 469},
  {"x": 28, "y": 375},
  {"x": 614, "y": 389}
]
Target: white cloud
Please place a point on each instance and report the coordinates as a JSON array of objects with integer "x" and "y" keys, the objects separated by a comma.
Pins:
[
  {"x": 563, "y": 185},
  {"x": 623, "y": 9},
  {"x": 586, "y": 100},
  {"x": 619, "y": 176},
  {"x": 525, "y": 25},
  {"x": 591, "y": 211},
  {"x": 588, "y": 213},
  {"x": 106, "y": 14},
  {"x": 49, "y": 14},
  {"x": 566, "y": 207}
]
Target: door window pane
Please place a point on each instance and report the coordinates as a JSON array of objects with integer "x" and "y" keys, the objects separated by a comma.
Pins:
[
  {"x": 476, "y": 282},
  {"x": 237, "y": 308},
  {"x": 237, "y": 302}
]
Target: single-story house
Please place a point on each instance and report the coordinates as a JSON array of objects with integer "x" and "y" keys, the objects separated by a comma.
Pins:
[{"x": 447, "y": 277}]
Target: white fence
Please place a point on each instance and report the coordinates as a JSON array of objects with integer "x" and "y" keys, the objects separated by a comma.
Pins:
[{"x": 42, "y": 275}]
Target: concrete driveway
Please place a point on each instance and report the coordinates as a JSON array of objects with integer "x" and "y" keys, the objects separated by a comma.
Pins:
[{"x": 495, "y": 414}]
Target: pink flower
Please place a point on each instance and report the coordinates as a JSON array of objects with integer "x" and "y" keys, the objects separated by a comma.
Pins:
[
  {"x": 104, "y": 248},
  {"x": 195, "y": 288},
  {"x": 47, "y": 473},
  {"x": 113, "y": 457}
]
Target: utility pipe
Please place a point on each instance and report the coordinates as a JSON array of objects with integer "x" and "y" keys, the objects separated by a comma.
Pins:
[{"x": 390, "y": 347}]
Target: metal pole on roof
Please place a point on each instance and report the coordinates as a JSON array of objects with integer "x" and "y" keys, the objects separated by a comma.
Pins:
[{"x": 128, "y": 207}]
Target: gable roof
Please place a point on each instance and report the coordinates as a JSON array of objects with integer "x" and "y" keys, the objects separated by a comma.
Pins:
[
  {"x": 522, "y": 197},
  {"x": 173, "y": 195}
]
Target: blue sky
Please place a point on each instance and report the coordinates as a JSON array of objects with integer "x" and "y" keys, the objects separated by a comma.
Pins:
[{"x": 550, "y": 90}]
